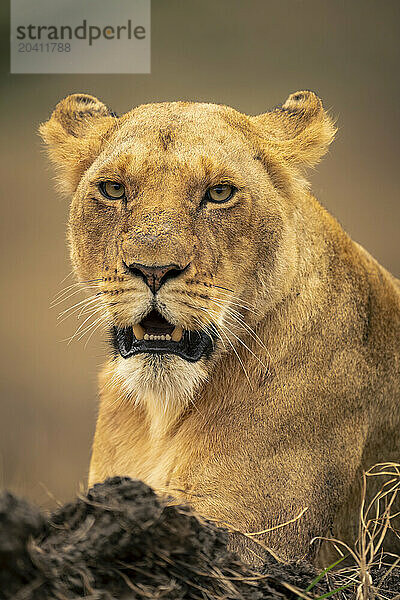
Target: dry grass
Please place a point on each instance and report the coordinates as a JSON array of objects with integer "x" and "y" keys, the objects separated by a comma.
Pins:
[
  {"x": 368, "y": 567},
  {"x": 368, "y": 556}
]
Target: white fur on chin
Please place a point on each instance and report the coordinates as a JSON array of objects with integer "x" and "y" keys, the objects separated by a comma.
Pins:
[{"x": 164, "y": 385}]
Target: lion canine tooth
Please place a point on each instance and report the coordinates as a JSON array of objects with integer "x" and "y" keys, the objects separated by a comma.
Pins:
[
  {"x": 138, "y": 331},
  {"x": 176, "y": 335}
]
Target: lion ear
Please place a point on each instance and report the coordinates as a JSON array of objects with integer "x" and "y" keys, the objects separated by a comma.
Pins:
[
  {"x": 74, "y": 135},
  {"x": 300, "y": 129}
]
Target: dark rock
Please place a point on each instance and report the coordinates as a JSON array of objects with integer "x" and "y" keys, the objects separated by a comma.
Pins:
[{"x": 122, "y": 541}]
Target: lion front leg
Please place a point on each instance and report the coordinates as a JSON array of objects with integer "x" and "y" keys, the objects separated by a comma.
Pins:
[{"x": 286, "y": 503}]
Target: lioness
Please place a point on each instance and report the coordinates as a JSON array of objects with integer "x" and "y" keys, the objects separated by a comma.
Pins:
[{"x": 254, "y": 364}]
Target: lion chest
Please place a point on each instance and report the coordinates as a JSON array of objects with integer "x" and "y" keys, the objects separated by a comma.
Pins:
[{"x": 163, "y": 462}]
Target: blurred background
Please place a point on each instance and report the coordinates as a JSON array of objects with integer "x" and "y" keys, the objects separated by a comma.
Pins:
[{"x": 249, "y": 54}]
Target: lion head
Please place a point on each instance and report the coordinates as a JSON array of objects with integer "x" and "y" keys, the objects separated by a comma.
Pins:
[{"x": 184, "y": 216}]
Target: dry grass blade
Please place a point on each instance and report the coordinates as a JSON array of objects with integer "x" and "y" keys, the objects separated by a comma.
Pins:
[
  {"x": 374, "y": 524},
  {"x": 279, "y": 525}
]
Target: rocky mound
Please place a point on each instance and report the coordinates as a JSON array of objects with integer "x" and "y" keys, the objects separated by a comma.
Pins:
[{"x": 121, "y": 541}]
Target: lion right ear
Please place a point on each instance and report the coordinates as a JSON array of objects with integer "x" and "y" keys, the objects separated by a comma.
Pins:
[{"x": 74, "y": 135}]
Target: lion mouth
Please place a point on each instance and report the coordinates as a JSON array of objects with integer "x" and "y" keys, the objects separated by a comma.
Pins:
[{"x": 155, "y": 335}]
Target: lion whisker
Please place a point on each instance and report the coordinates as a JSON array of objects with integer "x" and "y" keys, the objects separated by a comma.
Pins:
[
  {"x": 79, "y": 311},
  {"x": 88, "y": 300},
  {"x": 93, "y": 326},
  {"x": 77, "y": 284},
  {"x": 235, "y": 304},
  {"x": 239, "y": 299},
  {"x": 244, "y": 344},
  {"x": 232, "y": 346},
  {"x": 221, "y": 287},
  {"x": 58, "y": 301},
  {"x": 66, "y": 277},
  {"x": 88, "y": 308},
  {"x": 81, "y": 325},
  {"x": 94, "y": 331},
  {"x": 240, "y": 361},
  {"x": 205, "y": 330},
  {"x": 86, "y": 329},
  {"x": 238, "y": 317}
]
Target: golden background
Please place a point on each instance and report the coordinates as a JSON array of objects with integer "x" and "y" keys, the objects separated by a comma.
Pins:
[{"x": 249, "y": 54}]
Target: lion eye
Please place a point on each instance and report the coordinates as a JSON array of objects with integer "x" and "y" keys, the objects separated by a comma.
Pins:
[
  {"x": 220, "y": 193},
  {"x": 113, "y": 190}
]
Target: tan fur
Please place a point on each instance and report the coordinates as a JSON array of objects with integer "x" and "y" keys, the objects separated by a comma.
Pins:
[{"x": 302, "y": 391}]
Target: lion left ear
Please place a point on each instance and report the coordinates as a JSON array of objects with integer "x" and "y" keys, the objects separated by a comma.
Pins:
[
  {"x": 300, "y": 129},
  {"x": 74, "y": 135}
]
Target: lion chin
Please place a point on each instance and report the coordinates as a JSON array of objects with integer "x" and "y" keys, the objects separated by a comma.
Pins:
[
  {"x": 163, "y": 384},
  {"x": 160, "y": 365}
]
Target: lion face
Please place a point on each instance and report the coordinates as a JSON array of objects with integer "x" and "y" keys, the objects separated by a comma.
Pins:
[{"x": 184, "y": 217}]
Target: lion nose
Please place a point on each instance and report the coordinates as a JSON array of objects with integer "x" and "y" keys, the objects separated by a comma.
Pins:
[{"x": 156, "y": 276}]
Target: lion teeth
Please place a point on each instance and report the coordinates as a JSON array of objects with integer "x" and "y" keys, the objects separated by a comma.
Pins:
[
  {"x": 138, "y": 331},
  {"x": 176, "y": 335}
]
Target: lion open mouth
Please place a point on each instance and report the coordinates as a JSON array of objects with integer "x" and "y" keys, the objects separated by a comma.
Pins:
[{"x": 155, "y": 335}]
